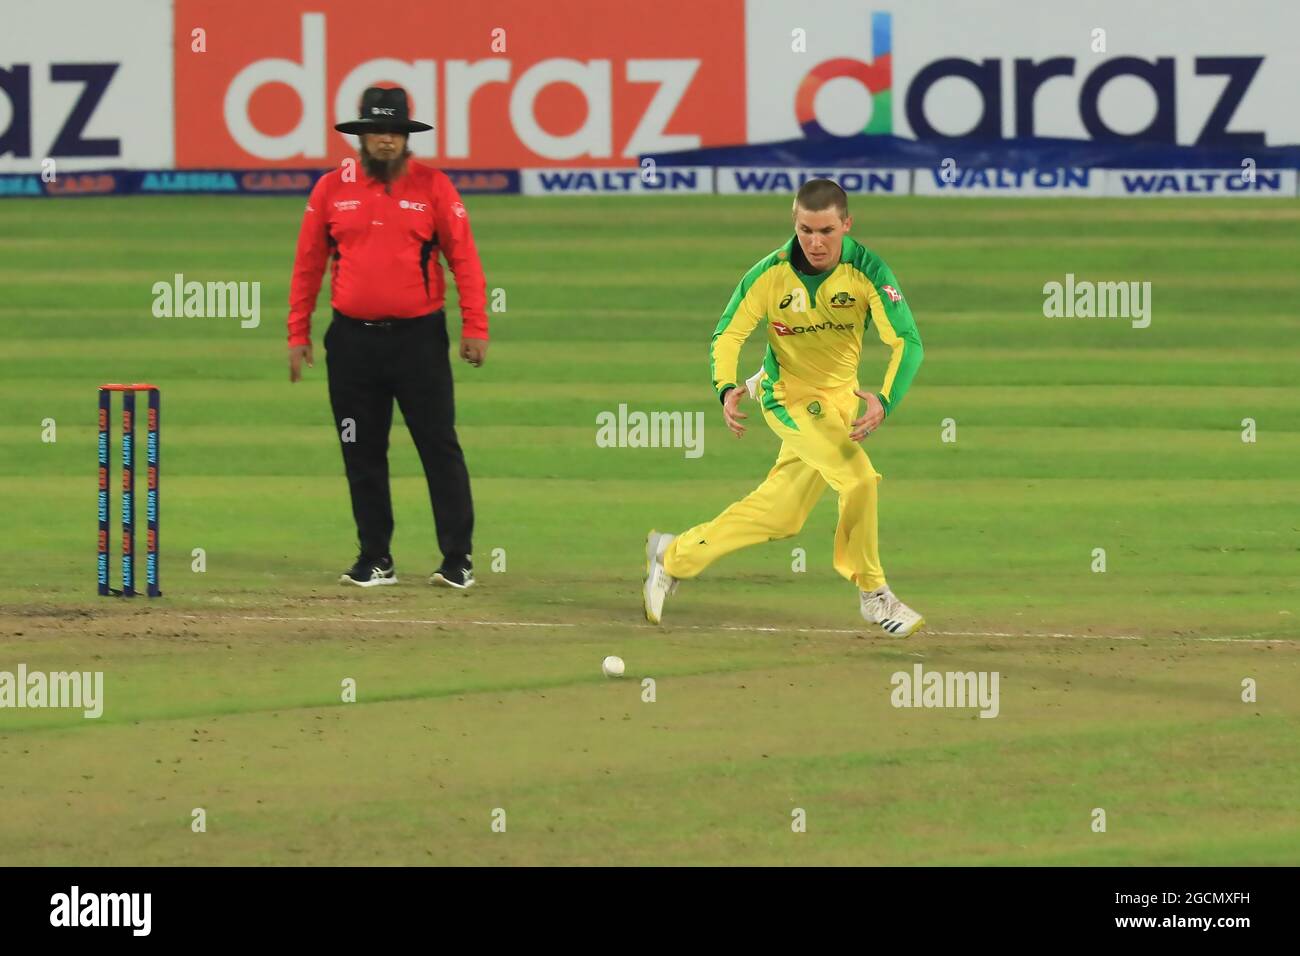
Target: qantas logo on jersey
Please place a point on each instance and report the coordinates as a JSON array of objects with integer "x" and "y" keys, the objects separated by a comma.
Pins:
[{"x": 782, "y": 329}]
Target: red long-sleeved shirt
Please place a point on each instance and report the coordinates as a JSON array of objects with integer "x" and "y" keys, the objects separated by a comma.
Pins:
[{"x": 385, "y": 248}]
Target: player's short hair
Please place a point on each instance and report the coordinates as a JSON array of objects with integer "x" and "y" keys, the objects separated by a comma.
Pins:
[{"x": 818, "y": 194}]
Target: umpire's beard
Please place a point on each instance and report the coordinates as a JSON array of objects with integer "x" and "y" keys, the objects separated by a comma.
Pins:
[{"x": 383, "y": 170}]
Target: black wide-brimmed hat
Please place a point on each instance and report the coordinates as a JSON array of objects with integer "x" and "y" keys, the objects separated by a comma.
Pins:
[{"x": 383, "y": 108}]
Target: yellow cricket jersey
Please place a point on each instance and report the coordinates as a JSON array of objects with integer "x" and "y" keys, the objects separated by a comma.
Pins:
[{"x": 816, "y": 322}]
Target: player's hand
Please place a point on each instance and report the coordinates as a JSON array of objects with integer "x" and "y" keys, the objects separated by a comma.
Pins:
[
  {"x": 731, "y": 413},
  {"x": 871, "y": 418},
  {"x": 297, "y": 354},
  {"x": 474, "y": 351}
]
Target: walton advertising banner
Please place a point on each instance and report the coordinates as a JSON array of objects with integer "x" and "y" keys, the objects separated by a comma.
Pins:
[{"x": 568, "y": 85}]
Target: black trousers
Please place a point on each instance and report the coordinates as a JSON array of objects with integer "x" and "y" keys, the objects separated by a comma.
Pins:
[{"x": 369, "y": 365}]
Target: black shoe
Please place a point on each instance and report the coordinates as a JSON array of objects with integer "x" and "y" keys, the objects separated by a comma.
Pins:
[
  {"x": 458, "y": 576},
  {"x": 368, "y": 572}
]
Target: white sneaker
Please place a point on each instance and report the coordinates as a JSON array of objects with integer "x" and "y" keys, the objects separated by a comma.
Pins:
[
  {"x": 658, "y": 582},
  {"x": 369, "y": 573},
  {"x": 894, "y": 617}
]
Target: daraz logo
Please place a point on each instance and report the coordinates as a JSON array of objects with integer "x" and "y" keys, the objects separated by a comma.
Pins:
[
  {"x": 876, "y": 76},
  {"x": 998, "y": 96}
]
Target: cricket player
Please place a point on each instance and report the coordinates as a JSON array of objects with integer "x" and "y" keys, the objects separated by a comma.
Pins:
[{"x": 818, "y": 292}]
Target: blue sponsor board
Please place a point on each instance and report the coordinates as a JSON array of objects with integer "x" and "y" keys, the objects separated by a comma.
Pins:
[
  {"x": 622, "y": 181},
  {"x": 1280, "y": 183},
  {"x": 1019, "y": 153},
  {"x": 480, "y": 181},
  {"x": 741, "y": 180},
  {"x": 235, "y": 182},
  {"x": 22, "y": 184},
  {"x": 951, "y": 179},
  {"x": 189, "y": 181}
]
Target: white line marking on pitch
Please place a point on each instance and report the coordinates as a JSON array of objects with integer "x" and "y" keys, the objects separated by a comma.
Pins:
[
  {"x": 1246, "y": 640},
  {"x": 732, "y": 627},
  {"x": 393, "y": 620}
]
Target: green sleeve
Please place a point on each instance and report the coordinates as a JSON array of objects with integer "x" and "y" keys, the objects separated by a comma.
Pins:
[
  {"x": 892, "y": 318},
  {"x": 743, "y": 313}
]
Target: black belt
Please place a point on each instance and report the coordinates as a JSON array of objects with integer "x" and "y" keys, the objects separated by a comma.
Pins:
[{"x": 388, "y": 325}]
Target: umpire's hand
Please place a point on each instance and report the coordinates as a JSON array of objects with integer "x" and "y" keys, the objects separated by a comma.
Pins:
[
  {"x": 297, "y": 353},
  {"x": 474, "y": 351}
]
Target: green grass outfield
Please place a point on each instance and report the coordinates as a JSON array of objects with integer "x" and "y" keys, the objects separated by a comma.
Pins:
[{"x": 1119, "y": 690}]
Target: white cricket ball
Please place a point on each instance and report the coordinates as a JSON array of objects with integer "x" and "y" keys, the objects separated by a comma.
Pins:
[{"x": 612, "y": 666}]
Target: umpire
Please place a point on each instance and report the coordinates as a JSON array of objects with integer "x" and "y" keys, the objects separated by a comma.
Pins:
[{"x": 384, "y": 223}]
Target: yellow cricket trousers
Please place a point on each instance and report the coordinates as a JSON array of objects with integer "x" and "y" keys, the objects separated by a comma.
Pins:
[{"x": 813, "y": 424}]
